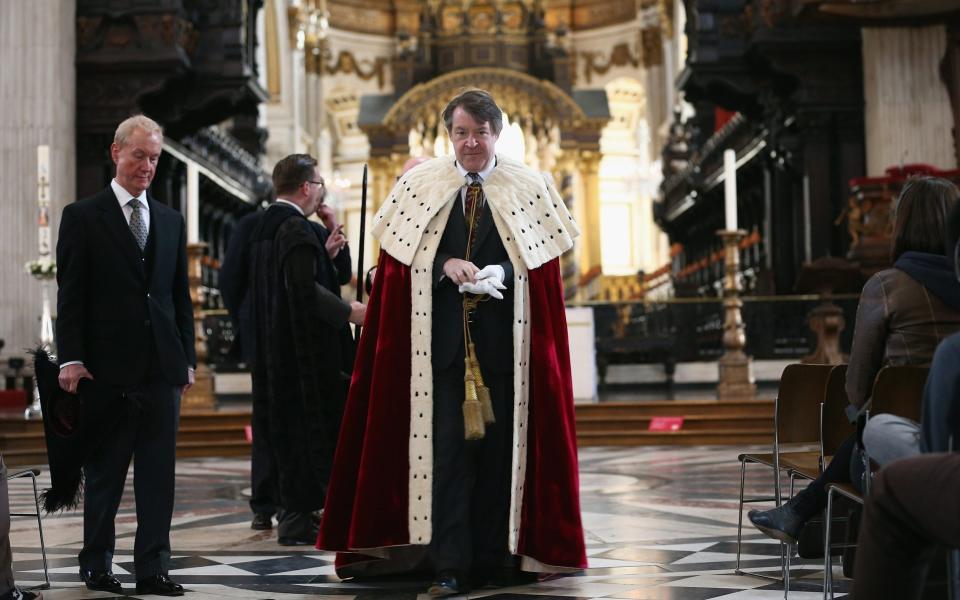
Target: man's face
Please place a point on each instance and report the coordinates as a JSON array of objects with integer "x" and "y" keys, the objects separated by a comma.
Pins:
[
  {"x": 315, "y": 192},
  {"x": 473, "y": 142},
  {"x": 136, "y": 160}
]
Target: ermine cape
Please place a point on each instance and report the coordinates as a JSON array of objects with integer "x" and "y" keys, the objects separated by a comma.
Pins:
[{"x": 379, "y": 504}]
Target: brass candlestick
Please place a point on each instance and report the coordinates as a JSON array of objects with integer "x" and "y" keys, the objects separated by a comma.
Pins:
[
  {"x": 736, "y": 370},
  {"x": 200, "y": 396}
]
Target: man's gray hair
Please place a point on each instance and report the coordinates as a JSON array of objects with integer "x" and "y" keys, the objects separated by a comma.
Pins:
[{"x": 125, "y": 128}]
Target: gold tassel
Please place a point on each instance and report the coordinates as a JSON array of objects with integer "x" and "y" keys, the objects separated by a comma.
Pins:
[
  {"x": 483, "y": 392},
  {"x": 473, "y": 428}
]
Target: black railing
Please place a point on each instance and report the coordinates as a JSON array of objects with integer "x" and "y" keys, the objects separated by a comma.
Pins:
[{"x": 691, "y": 329}]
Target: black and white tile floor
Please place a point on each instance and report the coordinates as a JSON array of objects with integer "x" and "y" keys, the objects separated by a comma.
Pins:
[{"x": 660, "y": 525}]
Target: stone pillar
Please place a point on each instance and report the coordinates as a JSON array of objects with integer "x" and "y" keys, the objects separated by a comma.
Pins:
[
  {"x": 38, "y": 45},
  {"x": 589, "y": 165}
]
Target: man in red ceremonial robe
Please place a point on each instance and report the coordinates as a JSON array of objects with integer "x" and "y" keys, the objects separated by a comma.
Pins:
[{"x": 421, "y": 474}]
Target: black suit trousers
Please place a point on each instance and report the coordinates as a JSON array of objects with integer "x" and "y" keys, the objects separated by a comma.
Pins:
[
  {"x": 471, "y": 479},
  {"x": 149, "y": 435}
]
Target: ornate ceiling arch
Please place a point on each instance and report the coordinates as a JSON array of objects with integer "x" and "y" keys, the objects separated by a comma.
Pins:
[
  {"x": 532, "y": 102},
  {"x": 518, "y": 94}
]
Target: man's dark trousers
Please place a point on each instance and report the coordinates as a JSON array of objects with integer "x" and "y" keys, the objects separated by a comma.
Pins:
[{"x": 148, "y": 433}]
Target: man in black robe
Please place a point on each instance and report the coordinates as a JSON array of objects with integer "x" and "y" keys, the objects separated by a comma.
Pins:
[
  {"x": 333, "y": 271},
  {"x": 298, "y": 377}
]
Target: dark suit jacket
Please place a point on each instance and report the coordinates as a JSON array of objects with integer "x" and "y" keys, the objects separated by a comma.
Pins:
[
  {"x": 492, "y": 324},
  {"x": 120, "y": 309}
]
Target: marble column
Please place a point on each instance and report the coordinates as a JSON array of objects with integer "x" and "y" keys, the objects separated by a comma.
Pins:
[{"x": 38, "y": 79}]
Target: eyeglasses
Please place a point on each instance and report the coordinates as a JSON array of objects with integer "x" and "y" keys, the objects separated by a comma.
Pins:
[{"x": 320, "y": 183}]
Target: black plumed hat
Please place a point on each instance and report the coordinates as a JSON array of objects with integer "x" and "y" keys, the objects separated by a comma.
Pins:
[{"x": 74, "y": 426}]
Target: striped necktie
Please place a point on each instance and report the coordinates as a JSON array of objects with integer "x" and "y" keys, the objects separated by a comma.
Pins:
[{"x": 474, "y": 194}]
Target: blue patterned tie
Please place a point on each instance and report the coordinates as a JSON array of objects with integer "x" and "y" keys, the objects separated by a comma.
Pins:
[{"x": 137, "y": 227}]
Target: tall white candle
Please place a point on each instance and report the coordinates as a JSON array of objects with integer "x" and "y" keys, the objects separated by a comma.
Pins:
[
  {"x": 807, "y": 232},
  {"x": 193, "y": 203},
  {"x": 43, "y": 200},
  {"x": 730, "y": 189}
]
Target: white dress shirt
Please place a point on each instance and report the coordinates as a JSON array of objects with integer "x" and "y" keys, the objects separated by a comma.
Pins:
[
  {"x": 288, "y": 203},
  {"x": 124, "y": 197},
  {"x": 484, "y": 174}
]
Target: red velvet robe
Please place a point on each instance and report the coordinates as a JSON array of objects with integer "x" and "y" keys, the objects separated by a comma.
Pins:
[{"x": 367, "y": 502}]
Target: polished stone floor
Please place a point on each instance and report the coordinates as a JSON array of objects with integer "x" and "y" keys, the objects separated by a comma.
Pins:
[{"x": 661, "y": 524}]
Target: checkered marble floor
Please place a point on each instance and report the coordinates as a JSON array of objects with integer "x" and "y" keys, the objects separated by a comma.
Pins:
[{"x": 661, "y": 524}]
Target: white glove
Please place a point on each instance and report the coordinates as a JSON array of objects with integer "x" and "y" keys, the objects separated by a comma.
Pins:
[
  {"x": 488, "y": 286},
  {"x": 490, "y": 272}
]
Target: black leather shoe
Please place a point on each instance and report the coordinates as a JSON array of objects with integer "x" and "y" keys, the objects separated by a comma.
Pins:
[
  {"x": 306, "y": 539},
  {"x": 261, "y": 522},
  {"x": 101, "y": 581},
  {"x": 159, "y": 585},
  {"x": 783, "y": 523},
  {"x": 446, "y": 584}
]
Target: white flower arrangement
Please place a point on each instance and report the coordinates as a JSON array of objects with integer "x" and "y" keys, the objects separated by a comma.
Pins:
[{"x": 42, "y": 268}]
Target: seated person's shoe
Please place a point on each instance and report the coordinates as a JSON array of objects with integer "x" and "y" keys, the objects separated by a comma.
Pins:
[
  {"x": 101, "y": 581},
  {"x": 446, "y": 583},
  {"x": 159, "y": 585},
  {"x": 261, "y": 522},
  {"x": 783, "y": 523}
]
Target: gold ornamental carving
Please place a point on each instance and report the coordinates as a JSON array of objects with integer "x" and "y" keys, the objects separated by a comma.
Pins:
[
  {"x": 599, "y": 14},
  {"x": 620, "y": 56},
  {"x": 348, "y": 64}
]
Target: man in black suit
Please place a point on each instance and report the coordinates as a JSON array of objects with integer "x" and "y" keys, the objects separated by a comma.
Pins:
[
  {"x": 333, "y": 271},
  {"x": 125, "y": 319}
]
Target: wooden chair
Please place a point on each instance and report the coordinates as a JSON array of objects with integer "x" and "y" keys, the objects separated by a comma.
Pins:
[
  {"x": 795, "y": 422},
  {"x": 897, "y": 391}
]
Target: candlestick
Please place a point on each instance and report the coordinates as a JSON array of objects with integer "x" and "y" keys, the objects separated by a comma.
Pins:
[
  {"x": 43, "y": 269},
  {"x": 730, "y": 189},
  {"x": 736, "y": 369}
]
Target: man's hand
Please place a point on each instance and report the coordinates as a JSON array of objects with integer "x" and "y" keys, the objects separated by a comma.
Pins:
[
  {"x": 358, "y": 310},
  {"x": 191, "y": 379},
  {"x": 490, "y": 286},
  {"x": 336, "y": 241},
  {"x": 327, "y": 217},
  {"x": 71, "y": 375},
  {"x": 460, "y": 271}
]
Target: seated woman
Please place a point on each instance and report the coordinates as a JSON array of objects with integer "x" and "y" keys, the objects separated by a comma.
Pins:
[
  {"x": 887, "y": 438},
  {"x": 904, "y": 312}
]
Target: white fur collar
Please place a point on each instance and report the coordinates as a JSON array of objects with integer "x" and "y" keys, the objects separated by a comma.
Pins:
[{"x": 538, "y": 225}]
